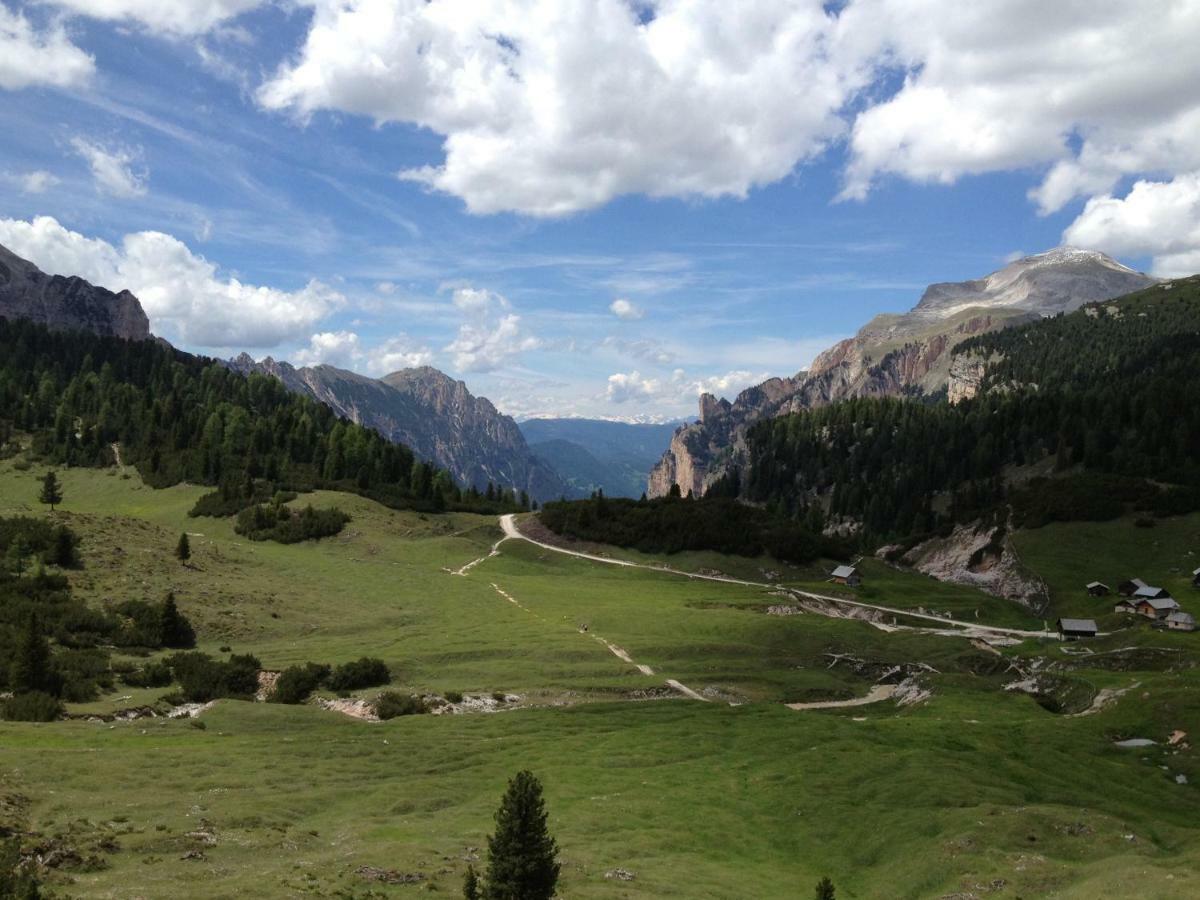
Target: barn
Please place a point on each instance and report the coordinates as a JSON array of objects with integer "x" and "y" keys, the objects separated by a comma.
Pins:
[{"x": 1074, "y": 629}]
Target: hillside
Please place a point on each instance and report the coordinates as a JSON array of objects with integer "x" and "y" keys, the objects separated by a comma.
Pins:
[
  {"x": 430, "y": 412},
  {"x": 67, "y": 302},
  {"x": 593, "y": 454},
  {"x": 894, "y": 355},
  {"x": 1105, "y": 399}
]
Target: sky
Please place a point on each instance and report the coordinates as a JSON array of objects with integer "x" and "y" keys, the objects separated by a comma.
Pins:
[{"x": 584, "y": 207}]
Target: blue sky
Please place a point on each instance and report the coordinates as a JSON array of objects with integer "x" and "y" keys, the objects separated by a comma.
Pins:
[{"x": 483, "y": 188}]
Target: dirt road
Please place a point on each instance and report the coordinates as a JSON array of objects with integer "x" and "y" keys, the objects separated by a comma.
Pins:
[{"x": 968, "y": 629}]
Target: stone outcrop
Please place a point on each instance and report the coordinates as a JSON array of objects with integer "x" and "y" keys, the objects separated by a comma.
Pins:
[
  {"x": 897, "y": 355},
  {"x": 61, "y": 302},
  {"x": 430, "y": 412}
]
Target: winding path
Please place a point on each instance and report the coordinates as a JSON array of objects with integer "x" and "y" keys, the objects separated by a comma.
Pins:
[{"x": 969, "y": 629}]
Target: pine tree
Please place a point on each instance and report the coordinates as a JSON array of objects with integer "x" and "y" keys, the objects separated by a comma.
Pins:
[
  {"x": 51, "y": 493},
  {"x": 825, "y": 889},
  {"x": 521, "y": 854},
  {"x": 471, "y": 885},
  {"x": 183, "y": 550},
  {"x": 31, "y": 669},
  {"x": 175, "y": 631}
]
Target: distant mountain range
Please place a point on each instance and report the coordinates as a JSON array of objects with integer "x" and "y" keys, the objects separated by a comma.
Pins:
[
  {"x": 895, "y": 355},
  {"x": 591, "y": 454},
  {"x": 433, "y": 414},
  {"x": 26, "y": 292}
]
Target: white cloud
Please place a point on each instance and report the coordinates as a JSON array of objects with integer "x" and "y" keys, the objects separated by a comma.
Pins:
[
  {"x": 177, "y": 18},
  {"x": 647, "y": 349},
  {"x": 37, "y": 182},
  {"x": 626, "y": 386},
  {"x": 1155, "y": 218},
  {"x": 678, "y": 389},
  {"x": 112, "y": 168},
  {"x": 30, "y": 57},
  {"x": 548, "y": 108},
  {"x": 184, "y": 295},
  {"x": 491, "y": 335},
  {"x": 624, "y": 309},
  {"x": 345, "y": 350},
  {"x": 997, "y": 85}
]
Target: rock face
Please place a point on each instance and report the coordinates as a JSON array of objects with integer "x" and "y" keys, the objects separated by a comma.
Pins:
[
  {"x": 430, "y": 412},
  {"x": 897, "y": 354},
  {"x": 978, "y": 557},
  {"x": 63, "y": 303}
]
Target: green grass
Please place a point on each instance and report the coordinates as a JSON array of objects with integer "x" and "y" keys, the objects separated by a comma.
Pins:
[{"x": 701, "y": 800}]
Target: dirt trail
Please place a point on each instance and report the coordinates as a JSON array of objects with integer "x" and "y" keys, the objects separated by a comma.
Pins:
[
  {"x": 877, "y": 693},
  {"x": 1103, "y": 698},
  {"x": 495, "y": 551},
  {"x": 968, "y": 629},
  {"x": 621, "y": 654}
]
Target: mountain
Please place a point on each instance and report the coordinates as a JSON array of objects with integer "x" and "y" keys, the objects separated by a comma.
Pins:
[
  {"x": 592, "y": 454},
  {"x": 430, "y": 412},
  {"x": 895, "y": 355},
  {"x": 61, "y": 303}
]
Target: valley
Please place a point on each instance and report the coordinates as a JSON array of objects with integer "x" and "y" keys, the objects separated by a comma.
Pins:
[{"x": 735, "y": 795}]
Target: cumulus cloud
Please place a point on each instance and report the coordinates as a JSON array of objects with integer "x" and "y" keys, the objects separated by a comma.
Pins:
[
  {"x": 345, "y": 349},
  {"x": 491, "y": 334},
  {"x": 624, "y": 309},
  {"x": 185, "y": 296},
  {"x": 1001, "y": 84},
  {"x": 176, "y": 18},
  {"x": 1159, "y": 218},
  {"x": 678, "y": 388},
  {"x": 30, "y": 57},
  {"x": 36, "y": 182},
  {"x": 112, "y": 168},
  {"x": 548, "y": 107}
]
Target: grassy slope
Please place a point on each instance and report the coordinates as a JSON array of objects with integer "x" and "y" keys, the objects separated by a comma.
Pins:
[{"x": 701, "y": 800}]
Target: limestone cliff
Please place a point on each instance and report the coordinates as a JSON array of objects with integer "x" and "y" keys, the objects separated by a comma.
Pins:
[{"x": 63, "y": 302}]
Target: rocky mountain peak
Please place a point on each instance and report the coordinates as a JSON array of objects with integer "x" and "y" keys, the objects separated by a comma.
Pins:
[{"x": 60, "y": 302}]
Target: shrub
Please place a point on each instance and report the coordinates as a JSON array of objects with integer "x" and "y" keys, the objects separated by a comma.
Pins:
[
  {"x": 202, "y": 678},
  {"x": 391, "y": 704},
  {"x": 454, "y": 697},
  {"x": 297, "y": 682},
  {"x": 156, "y": 674},
  {"x": 278, "y": 523},
  {"x": 35, "y": 706},
  {"x": 365, "y": 672}
]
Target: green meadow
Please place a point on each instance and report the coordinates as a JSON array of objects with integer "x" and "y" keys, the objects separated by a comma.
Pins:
[{"x": 974, "y": 792}]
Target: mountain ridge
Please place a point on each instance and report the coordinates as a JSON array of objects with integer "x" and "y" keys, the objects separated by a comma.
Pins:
[
  {"x": 427, "y": 410},
  {"x": 894, "y": 354},
  {"x": 66, "y": 302}
]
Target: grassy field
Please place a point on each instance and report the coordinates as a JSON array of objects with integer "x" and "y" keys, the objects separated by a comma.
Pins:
[{"x": 975, "y": 792}]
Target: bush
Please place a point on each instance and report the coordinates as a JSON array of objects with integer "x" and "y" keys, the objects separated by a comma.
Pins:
[
  {"x": 391, "y": 704},
  {"x": 202, "y": 678},
  {"x": 156, "y": 674},
  {"x": 35, "y": 706},
  {"x": 365, "y": 672},
  {"x": 297, "y": 682},
  {"x": 276, "y": 522},
  {"x": 454, "y": 697}
]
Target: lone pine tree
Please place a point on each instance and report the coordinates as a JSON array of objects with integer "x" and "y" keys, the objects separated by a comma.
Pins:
[
  {"x": 31, "y": 667},
  {"x": 825, "y": 889},
  {"x": 183, "y": 550},
  {"x": 51, "y": 492},
  {"x": 175, "y": 631},
  {"x": 521, "y": 854}
]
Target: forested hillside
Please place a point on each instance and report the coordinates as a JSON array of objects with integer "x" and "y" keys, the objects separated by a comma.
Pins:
[
  {"x": 1111, "y": 390},
  {"x": 178, "y": 417}
]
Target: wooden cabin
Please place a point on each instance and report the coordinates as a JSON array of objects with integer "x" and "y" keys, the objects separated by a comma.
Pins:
[
  {"x": 846, "y": 575},
  {"x": 1156, "y": 607},
  {"x": 1098, "y": 589},
  {"x": 1074, "y": 629},
  {"x": 1181, "y": 621}
]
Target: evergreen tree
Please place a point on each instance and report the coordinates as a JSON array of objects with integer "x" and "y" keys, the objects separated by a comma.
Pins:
[
  {"x": 471, "y": 885},
  {"x": 15, "y": 557},
  {"x": 183, "y": 550},
  {"x": 521, "y": 853},
  {"x": 176, "y": 631},
  {"x": 51, "y": 493},
  {"x": 825, "y": 889},
  {"x": 31, "y": 667}
]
